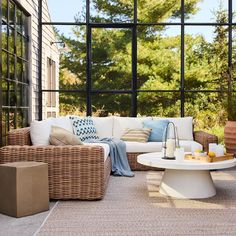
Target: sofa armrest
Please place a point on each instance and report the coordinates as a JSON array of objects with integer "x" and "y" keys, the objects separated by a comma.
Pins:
[
  {"x": 73, "y": 171},
  {"x": 205, "y": 138},
  {"x": 19, "y": 137}
]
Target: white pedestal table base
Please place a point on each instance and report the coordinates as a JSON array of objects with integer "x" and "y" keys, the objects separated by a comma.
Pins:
[{"x": 187, "y": 184}]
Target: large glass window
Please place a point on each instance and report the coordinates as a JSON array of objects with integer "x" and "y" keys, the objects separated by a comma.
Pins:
[
  {"x": 14, "y": 68},
  {"x": 142, "y": 57}
]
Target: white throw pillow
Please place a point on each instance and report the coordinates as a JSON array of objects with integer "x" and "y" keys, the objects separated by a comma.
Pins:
[{"x": 40, "y": 131}]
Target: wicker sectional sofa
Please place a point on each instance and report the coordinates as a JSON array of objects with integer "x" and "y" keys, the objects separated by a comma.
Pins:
[{"x": 82, "y": 171}]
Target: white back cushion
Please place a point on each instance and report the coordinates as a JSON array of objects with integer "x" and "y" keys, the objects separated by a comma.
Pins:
[
  {"x": 40, "y": 131},
  {"x": 63, "y": 122},
  {"x": 122, "y": 123},
  {"x": 184, "y": 126},
  {"x": 104, "y": 126}
]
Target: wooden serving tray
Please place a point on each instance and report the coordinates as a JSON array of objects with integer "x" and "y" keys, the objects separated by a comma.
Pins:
[{"x": 227, "y": 156}]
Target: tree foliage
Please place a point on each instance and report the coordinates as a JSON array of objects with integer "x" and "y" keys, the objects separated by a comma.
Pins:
[{"x": 158, "y": 63}]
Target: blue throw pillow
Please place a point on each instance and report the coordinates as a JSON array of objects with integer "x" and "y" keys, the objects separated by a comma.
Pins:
[
  {"x": 158, "y": 128},
  {"x": 84, "y": 128}
]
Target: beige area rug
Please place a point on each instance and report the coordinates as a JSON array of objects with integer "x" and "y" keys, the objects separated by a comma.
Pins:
[{"x": 133, "y": 206}]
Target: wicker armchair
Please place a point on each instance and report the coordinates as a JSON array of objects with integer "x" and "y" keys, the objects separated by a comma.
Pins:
[{"x": 75, "y": 172}]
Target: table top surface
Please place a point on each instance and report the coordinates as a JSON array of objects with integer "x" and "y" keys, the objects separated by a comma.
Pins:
[{"x": 154, "y": 160}]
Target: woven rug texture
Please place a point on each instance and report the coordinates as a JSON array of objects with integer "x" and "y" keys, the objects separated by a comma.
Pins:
[{"x": 133, "y": 206}]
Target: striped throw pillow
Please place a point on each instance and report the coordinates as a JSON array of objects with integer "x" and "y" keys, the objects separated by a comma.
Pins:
[{"x": 136, "y": 135}]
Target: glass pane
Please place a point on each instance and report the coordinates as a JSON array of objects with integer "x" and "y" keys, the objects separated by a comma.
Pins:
[
  {"x": 4, "y": 122},
  {"x": 4, "y": 36},
  {"x": 208, "y": 111},
  {"x": 19, "y": 119},
  {"x": 11, "y": 65},
  {"x": 12, "y": 119},
  {"x": 207, "y": 11},
  {"x": 234, "y": 10},
  {"x": 11, "y": 40},
  {"x": 4, "y": 93},
  {"x": 24, "y": 48},
  {"x": 69, "y": 49},
  {"x": 11, "y": 13},
  {"x": 19, "y": 45},
  {"x": 25, "y": 74},
  {"x": 19, "y": 22},
  {"x": 22, "y": 92},
  {"x": 72, "y": 103},
  {"x": 231, "y": 98},
  {"x": 164, "y": 104},
  {"x": 234, "y": 58},
  {"x": 111, "y": 104},
  {"x": 159, "y": 11},
  {"x": 111, "y": 59},
  {"x": 24, "y": 25},
  {"x": 12, "y": 94},
  {"x": 22, "y": 118},
  {"x": 158, "y": 58},
  {"x": 4, "y": 65},
  {"x": 67, "y": 11},
  {"x": 206, "y": 57},
  {"x": 4, "y": 10},
  {"x": 19, "y": 70},
  {"x": 111, "y": 11}
]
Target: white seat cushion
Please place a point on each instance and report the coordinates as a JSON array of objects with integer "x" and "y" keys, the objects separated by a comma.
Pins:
[
  {"x": 105, "y": 147},
  {"x": 143, "y": 147},
  {"x": 122, "y": 123},
  {"x": 157, "y": 146},
  {"x": 184, "y": 126},
  {"x": 104, "y": 126}
]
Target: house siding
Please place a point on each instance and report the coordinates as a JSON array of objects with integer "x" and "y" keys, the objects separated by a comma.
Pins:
[{"x": 48, "y": 51}]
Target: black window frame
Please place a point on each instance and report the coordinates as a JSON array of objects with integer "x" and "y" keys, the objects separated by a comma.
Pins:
[
  {"x": 20, "y": 83},
  {"x": 133, "y": 26}
]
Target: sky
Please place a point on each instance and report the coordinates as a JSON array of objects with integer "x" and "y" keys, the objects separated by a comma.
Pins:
[{"x": 66, "y": 10}]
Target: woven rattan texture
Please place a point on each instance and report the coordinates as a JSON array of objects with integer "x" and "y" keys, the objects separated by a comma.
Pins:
[
  {"x": 19, "y": 137},
  {"x": 75, "y": 172},
  {"x": 134, "y": 165}
]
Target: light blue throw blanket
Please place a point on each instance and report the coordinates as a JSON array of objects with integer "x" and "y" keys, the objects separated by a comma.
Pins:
[{"x": 120, "y": 164}]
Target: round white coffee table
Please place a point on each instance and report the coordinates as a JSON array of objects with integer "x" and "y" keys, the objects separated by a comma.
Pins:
[{"x": 186, "y": 179}]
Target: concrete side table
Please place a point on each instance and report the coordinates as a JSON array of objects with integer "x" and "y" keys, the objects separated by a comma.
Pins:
[{"x": 24, "y": 188}]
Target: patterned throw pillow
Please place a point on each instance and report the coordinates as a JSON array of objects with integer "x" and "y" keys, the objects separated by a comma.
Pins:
[
  {"x": 136, "y": 135},
  {"x": 61, "y": 137},
  {"x": 84, "y": 128}
]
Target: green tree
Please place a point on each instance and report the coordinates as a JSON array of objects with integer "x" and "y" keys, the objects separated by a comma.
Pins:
[
  {"x": 111, "y": 55},
  {"x": 158, "y": 65}
]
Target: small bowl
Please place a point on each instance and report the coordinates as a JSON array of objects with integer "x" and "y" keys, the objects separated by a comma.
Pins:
[{"x": 200, "y": 154}]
